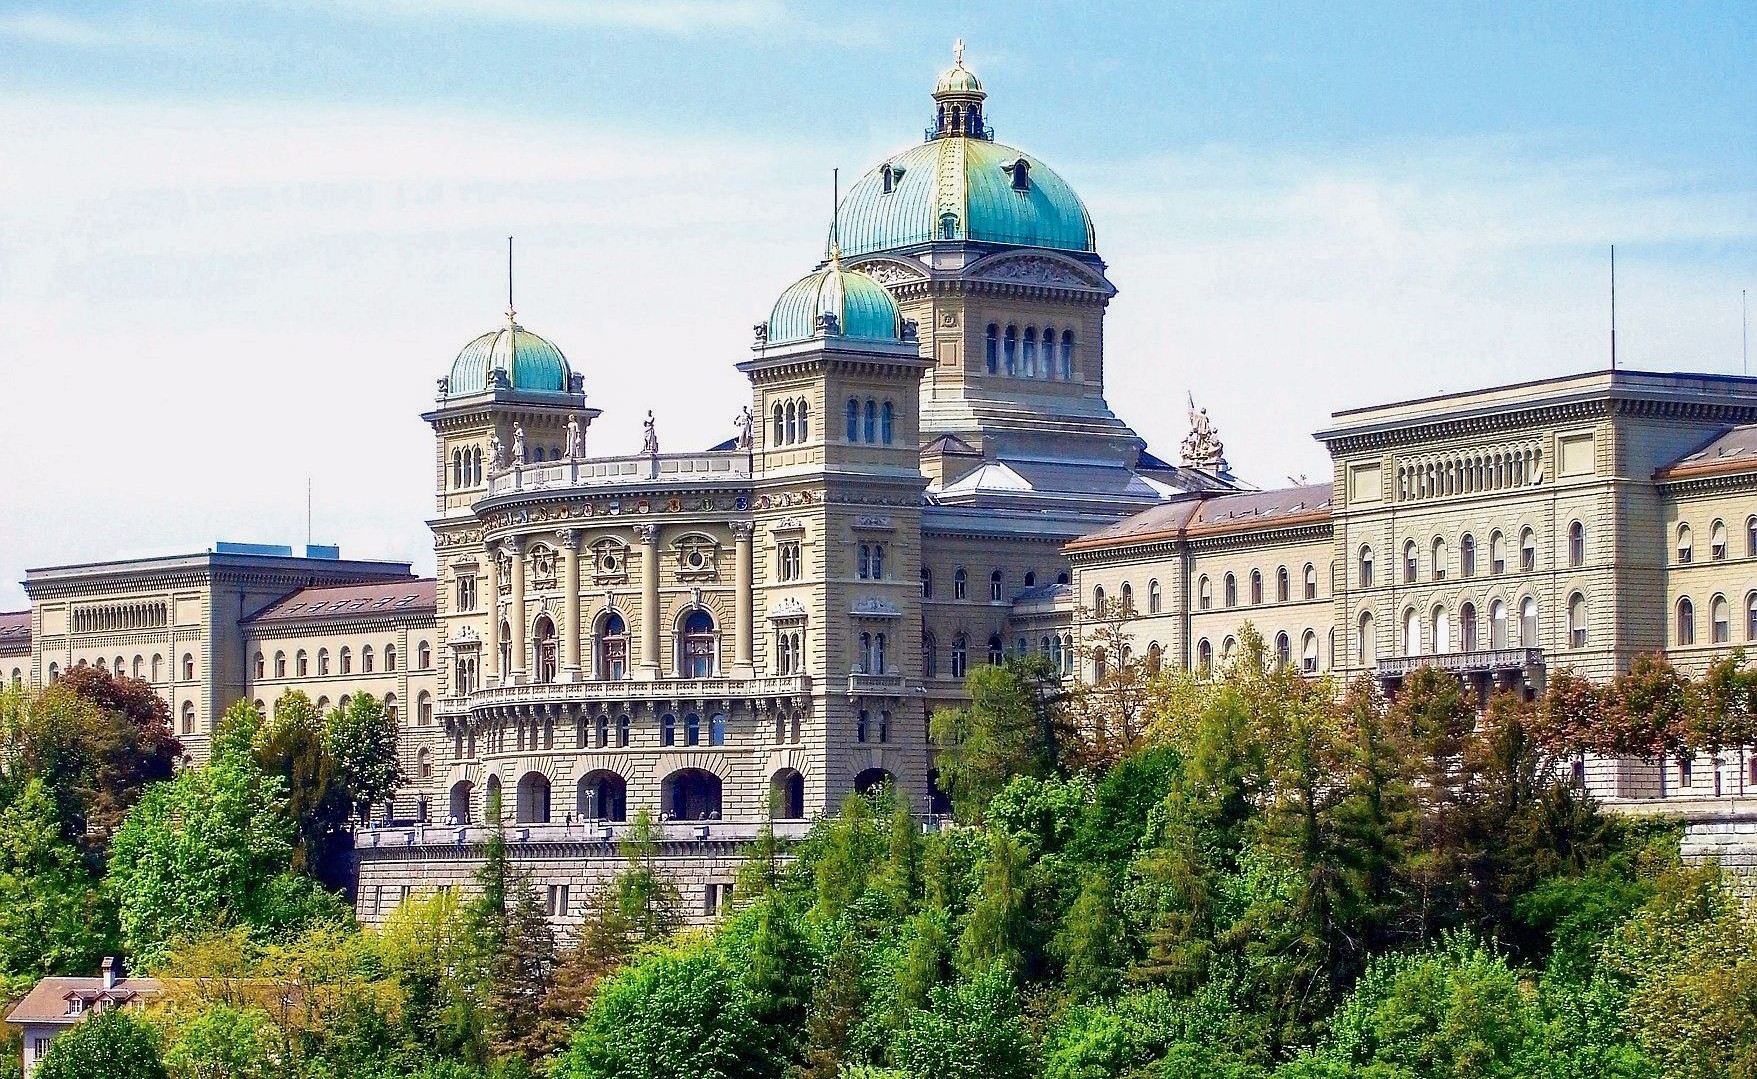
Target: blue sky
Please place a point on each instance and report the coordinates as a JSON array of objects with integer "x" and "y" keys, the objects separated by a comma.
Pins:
[{"x": 251, "y": 234}]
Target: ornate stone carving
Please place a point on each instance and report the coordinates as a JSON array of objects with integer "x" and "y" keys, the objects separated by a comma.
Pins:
[
  {"x": 518, "y": 445},
  {"x": 762, "y": 333},
  {"x": 1035, "y": 270},
  {"x": 828, "y": 324},
  {"x": 542, "y": 565},
  {"x": 788, "y": 610},
  {"x": 496, "y": 454},
  {"x": 874, "y": 607},
  {"x": 647, "y": 534},
  {"x": 609, "y": 562},
  {"x": 1202, "y": 447},
  {"x": 698, "y": 557},
  {"x": 887, "y": 272},
  {"x": 743, "y": 529}
]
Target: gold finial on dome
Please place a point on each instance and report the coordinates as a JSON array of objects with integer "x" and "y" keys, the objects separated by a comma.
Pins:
[
  {"x": 958, "y": 97},
  {"x": 958, "y": 52}
]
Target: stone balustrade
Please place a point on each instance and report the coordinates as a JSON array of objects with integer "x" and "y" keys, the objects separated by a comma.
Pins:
[
  {"x": 641, "y": 470},
  {"x": 1485, "y": 661}
]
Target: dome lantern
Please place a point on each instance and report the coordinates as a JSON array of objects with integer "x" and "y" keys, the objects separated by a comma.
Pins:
[
  {"x": 957, "y": 99},
  {"x": 834, "y": 303}
]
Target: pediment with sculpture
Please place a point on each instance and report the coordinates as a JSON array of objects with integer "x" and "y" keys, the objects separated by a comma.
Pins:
[{"x": 1048, "y": 271}]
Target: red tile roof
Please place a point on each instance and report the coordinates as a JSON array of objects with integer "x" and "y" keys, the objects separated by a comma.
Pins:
[
  {"x": 47, "y": 1000},
  {"x": 1187, "y": 518},
  {"x": 1733, "y": 450},
  {"x": 15, "y": 631},
  {"x": 410, "y": 597}
]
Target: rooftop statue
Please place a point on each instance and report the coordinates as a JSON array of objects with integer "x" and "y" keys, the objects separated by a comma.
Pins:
[
  {"x": 744, "y": 422},
  {"x": 576, "y": 440},
  {"x": 1202, "y": 447},
  {"x": 496, "y": 454},
  {"x": 649, "y": 437},
  {"x": 518, "y": 445}
]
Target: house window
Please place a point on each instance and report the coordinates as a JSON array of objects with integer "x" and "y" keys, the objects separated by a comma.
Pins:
[
  {"x": 1098, "y": 605},
  {"x": 1577, "y": 621},
  {"x": 1751, "y": 537},
  {"x": 1751, "y": 617},
  {"x": 322, "y": 662},
  {"x": 1528, "y": 551},
  {"x": 668, "y": 729},
  {"x": 995, "y": 585},
  {"x": 261, "y": 665},
  {"x": 423, "y": 657},
  {"x": 926, "y": 583},
  {"x": 1010, "y": 351},
  {"x": 870, "y": 428},
  {"x": 930, "y": 660},
  {"x": 1231, "y": 590},
  {"x": 1497, "y": 557},
  {"x": 886, "y": 423},
  {"x": 280, "y": 665},
  {"x": 1409, "y": 562},
  {"x": 466, "y": 592},
  {"x": 1528, "y": 623},
  {"x": 1128, "y": 599},
  {"x": 1204, "y": 656},
  {"x": 1720, "y": 628},
  {"x": 1467, "y": 627},
  {"x": 960, "y": 655},
  {"x": 787, "y": 560},
  {"x": 1440, "y": 558},
  {"x": 852, "y": 429},
  {"x": 1283, "y": 651},
  {"x": 1577, "y": 545},
  {"x": 1364, "y": 648},
  {"x": 1686, "y": 545},
  {"x": 1204, "y": 593},
  {"x": 1281, "y": 585},
  {"x": 1498, "y": 628},
  {"x": 997, "y": 652},
  {"x": 1366, "y": 567},
  {"x": 991, "y": 349},
  {"x": 424, "y": 709},
  {"x": 1256, "y": 588},
  {"x": 1311, "y": 581},
  {"x": 1411, "y": 633},
  {"x": 188, "y": 668},
  {"x": 188, "y": 717},
  {"x": 1467, "y": 555},
  {"x": 958, "y": 582},
  {"x": 346, "y": 659},
  {"x": 1153, "y": 596},
  {"x": 1717, "y": 541}
]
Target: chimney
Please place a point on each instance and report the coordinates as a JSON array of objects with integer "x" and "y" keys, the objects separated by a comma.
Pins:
[{"x": 110, "y": 967}]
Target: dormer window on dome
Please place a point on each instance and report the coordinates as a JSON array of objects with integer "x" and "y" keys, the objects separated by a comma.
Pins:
[
  {"x": 1020, "y": 172},
  {"x": 889, "y": 176}
]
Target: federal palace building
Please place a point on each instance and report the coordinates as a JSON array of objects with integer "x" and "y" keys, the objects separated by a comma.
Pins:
[{"x": 928, "y": 478}]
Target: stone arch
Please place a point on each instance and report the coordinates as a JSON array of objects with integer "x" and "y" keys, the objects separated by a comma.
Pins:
[
  {"x": 787, "y": 795},
  {"x": 873, "y": 780},
  {"x": 533, "y": 798},
  {"x": 602, "y": 795},
  {"x": 690, "y": 794},
  {"x": 460, "y": 809}
]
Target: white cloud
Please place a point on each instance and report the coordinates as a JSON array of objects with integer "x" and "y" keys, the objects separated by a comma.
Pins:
[
  {"x": 205, "y": 304},
  {"x": 54, "y": 28}
]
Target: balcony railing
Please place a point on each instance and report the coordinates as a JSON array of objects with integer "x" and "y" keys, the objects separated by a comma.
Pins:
[
  {"x": 1489, "y": 661},
  {"x": 664, "y": 689},
  {"x": 679, "y": 468},
  {"x": 877, "y": 685},
  {"x": 384, "y": 836}
]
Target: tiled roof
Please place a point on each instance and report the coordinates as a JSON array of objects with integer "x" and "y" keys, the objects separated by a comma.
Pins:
[
  {"x": 47, "y": 1000},
  {"x": 1733, "y": 450},
  {"x": 1220, "y": 513},
  {"x": 15, "y": 631},
  {"x": 412, "y": 597}
]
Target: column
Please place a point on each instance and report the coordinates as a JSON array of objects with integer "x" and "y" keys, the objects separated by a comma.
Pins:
[
  {"x": 570, "y": 629},
  {"x": 516, "y": 616},
  {"x": 743, "y": 665},
  {"x": 649, "y": 537},
  {"x": 491, "y": 662}
]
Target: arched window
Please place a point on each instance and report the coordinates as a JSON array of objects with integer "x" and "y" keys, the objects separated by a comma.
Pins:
[
  {"x": 533, "y": 798},
  {"x": 1228, "y": 649},
  {"x": 1528, "y": 551},
  {"x": 457, "y": 468},
  {"x": 1256, "y": 587},
  {"x": 852, "y": 432},
  {"x": 1411, "y": 633},
  {"x": 280, "y": 665},
  {"x": 930, "y": 660},
  {"x": 991, "y": 349},
  {"x": 959, "y": 579},
  {"x": 1686, "y": 544},
  {"x": 188, "y": 667},
  {"x": 423, "y": 657},
  {"x": 1497, "y": 554},
  {"x": 1282, "y": 593},
  {"x": 1311, "y": 575},
  {"x": 1308, "y": 653},
  {"x": 667, "y": 729},
  {"x": 601, "y": 796},
  {"x": 1467, "y": 555},
  {"x": 1365, "y": 648},
  {"x": 886, "y": 423},
  {"x": 997, "y": 652},
  {"x": 787, "y": 795},
  {"x": 1046, "y": 364},
  {"x": 1153, "y": 596},
  {"x": 926, "y": 583},
  {"x": 624, "y": 730},
  {"x": 948, "y": 226},
  {"x": 869, "y": 430},
  {"x": 697, "y": 646},
  {"x": 261, "y": 665},
  {"x": 424, "y": 709},
  {"x": 780, "y": 437},
  {"x": 390, "y": 657},
  {"x": 1010, "y": 352},
  {"x": 960, "y": 655},
  {"x": 1467, "y": 628},
  {"x": 1204, "y": 657},
  {"x": 1440, "y": 558},
  {"x": 1030, "y": 578},
  {"x": 805, "y": 421},
  {"x": 1283, "y": 651},
  {"x": 1366, "y": 566},
  {"x": 1231, "y": 590},
  {"x": 1717, "y": 541},
  {"x": 1099, "y": 665},
  {"x": 1204, "y": 593},
  {"x": 390, "y": 706},
  {"x": 1577, "y": 621},
  {"x": 612, "y": 648},
  {"x": 1098, "y": 601},
  {"x": 366, "y": 659},
  {"x": 790, "y": 431},
  {"x": 1498, "y": 624},
  {"x": 1028, "y": 356},
  {"x": 996, "y": 583},
  {"x": 322, "y": 662},
  {"x": 1528, "y": 622},
  {"x": 1751, "y": 537},
  {"x": 1128, "y": 599},
  {"x": 692, "y": 729},
  {"x": 345, "y": 659},
  {"x": 1720, "y": 620},
  {"x": 461, "y": 792},
  {"x": 1751, "y": 617},
  {"x": 543, "y": 644},
  {"x": 1440, "y": 623},
  {"x": 1410, "y": 563},
  {"x": 188, "y": 718},
  {"x": 1067, "y": 354},
  {"x": 1577, "y": 545},
  {"x": 601, "y": 732},
  {"x": 300, "y": 664},
  {"x": 1686, "y": 631}
]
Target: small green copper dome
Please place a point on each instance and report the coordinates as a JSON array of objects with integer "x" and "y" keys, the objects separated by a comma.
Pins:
[
  {"x": 862, "y": 309},
  {"x": 962, "y": 188},
  {"x": 530, "y": 362},
  {"x": 957, "y": 79}
]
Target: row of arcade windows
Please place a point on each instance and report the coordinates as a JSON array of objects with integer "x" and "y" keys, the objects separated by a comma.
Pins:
[
  {"x": 1029, "y": 355},
  {"x": 873, "y": 422}
]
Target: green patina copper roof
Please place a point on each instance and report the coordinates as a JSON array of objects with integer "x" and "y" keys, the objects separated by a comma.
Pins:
[
  {"x": 530, "y": 362},
  {"x": 969, "y": 179},
  {"x": 864, "y": 311}
]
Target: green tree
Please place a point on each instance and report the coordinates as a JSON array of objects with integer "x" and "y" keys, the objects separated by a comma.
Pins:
[
  {"x": 645, "y": 895},
  {"x": 362, "y": 740},
  {"x": 292, "y": 746},
  {"x": 998, "y": 931},
  {"x": 1014, "y": 726},
  {"x": 835, "y": 1013},
  {"x": 54, "y": 916},
  {"x": 971, "y": 1030},
  {"x": 221, "y": 1041},
  {"x": 205, "y": 850},
  {"x": 112, "y": 1044},
  {"x": 522, "y": 975},
  {"x": 1089, "y": 943}
]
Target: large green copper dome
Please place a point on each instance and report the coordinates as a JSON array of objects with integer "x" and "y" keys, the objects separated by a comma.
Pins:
[
  {"x": 962, "y": 188},
  {"x": 860, "y": 309},
  {"x": 531, "y": 363}
]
